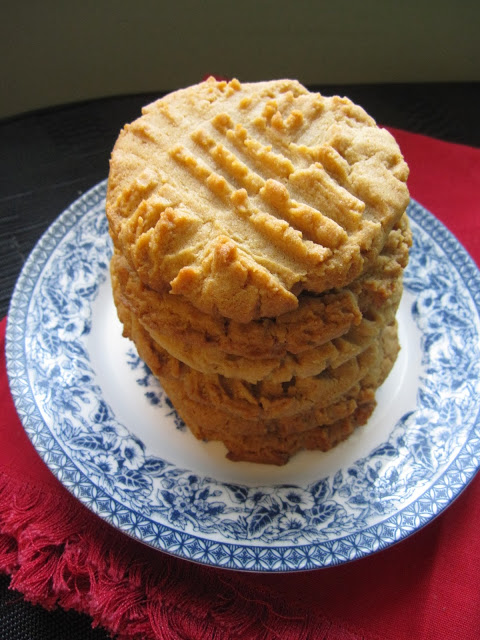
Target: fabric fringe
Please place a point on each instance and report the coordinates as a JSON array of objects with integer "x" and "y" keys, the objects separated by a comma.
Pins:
[{"x": 59, "y": 554}]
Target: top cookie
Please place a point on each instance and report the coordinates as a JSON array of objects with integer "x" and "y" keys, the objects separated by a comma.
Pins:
[{"x": 240, "y": 196}]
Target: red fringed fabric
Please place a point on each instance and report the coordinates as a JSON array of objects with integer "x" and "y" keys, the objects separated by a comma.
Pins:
[{"x": 60, "y": 555}]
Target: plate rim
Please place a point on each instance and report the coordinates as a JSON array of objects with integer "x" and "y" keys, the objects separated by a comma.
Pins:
[{"x": 289, "y": 556}]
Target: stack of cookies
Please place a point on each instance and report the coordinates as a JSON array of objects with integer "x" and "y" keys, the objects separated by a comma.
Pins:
[{"x": 260, "y": 239}]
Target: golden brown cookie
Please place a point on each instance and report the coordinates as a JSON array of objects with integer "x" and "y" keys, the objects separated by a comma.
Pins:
[
  {"x": 300, "y": 343},
  {"x": 263, "y": 438},
  {"x": 383, "y": 278},
  {"x": 278, "y": 450},
  {"x": 311, "y": 362},
  {"x": 275, "y": 448},
  {"x": 267, "y": 399},
  {"x": 317, "y": 320},
  {"x": 270, "y": 448},
  {"x": 240, "y": 197},
  {"x": 213, "y": 423}
]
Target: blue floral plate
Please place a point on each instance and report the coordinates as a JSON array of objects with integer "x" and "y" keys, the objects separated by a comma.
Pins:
[{"x": 104, "y": 427}]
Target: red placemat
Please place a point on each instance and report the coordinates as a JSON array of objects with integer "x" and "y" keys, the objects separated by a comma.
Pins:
[{"x": 426, "y": 587}]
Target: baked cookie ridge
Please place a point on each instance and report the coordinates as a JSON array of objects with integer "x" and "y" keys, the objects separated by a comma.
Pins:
[{"x": 257, "y": 192}]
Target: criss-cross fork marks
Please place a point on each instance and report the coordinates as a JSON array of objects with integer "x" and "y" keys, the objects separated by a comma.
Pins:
[
  {"x": 257, "y": 194},
  {"x": 253, "y": 179}
]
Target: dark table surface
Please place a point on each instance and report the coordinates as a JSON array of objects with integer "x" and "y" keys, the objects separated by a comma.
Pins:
[{"x": 50, "y": 157}]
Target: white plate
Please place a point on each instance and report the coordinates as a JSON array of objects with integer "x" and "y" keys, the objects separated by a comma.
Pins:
[{"x": 104, "y": 427}]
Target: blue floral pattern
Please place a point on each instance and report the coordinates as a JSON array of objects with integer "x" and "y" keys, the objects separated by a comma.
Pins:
[
  {"x": 153, "y": 392},
  {"x": 429, "y": 456}
]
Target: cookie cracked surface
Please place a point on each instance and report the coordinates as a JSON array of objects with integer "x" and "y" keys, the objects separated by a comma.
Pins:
[{"x": 238, "y": 197}]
